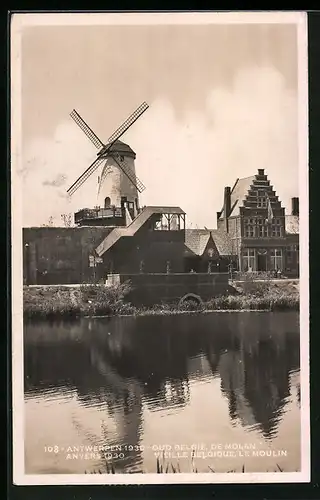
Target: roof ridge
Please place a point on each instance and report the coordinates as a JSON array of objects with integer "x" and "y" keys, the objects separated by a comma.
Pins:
[
  {"x": 247, "y": 177},
  {"x": 234, "y": 185}
]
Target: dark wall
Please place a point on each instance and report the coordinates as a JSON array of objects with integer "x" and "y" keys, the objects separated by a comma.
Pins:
[
  {"x": 149, "y": 289},
  {"x": 61, "y": 255},
  {"x": 147, "y": 248},
  {"x": 57, "y": 255}
]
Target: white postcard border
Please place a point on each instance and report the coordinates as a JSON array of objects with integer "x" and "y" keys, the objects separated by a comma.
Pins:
[{"x": 22, "y": 21}]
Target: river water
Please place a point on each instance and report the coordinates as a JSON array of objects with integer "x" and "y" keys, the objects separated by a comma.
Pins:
[{"x": 128, "y": 391}]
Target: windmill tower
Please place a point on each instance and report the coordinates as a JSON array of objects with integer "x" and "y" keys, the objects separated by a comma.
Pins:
[
  {"x": 118, "y": 186},
  {"x": 114, "y": 186}
]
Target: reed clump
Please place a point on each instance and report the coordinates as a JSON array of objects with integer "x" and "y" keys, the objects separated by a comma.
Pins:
[{"x": 271, "y": 301}]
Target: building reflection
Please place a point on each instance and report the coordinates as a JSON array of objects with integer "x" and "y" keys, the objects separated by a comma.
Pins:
[
  {"x": 124, "y": 365},
  {"x": 255, "y": 375}
]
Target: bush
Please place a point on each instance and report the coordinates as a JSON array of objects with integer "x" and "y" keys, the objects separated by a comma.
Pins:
[
  {"x": 88, "y": 300},
  {"x": 51, "y": 301},
  {"x": 101, "y": 299}
]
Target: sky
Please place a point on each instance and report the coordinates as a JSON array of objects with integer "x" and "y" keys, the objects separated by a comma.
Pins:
[{"x": 223, "y": 103}]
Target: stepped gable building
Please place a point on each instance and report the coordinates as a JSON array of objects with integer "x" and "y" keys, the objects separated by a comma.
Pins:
[{"x": 261, "y": 235}]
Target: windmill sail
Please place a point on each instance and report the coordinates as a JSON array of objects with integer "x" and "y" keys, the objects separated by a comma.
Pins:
[
  {"x": 86, "y": 174},
  {"x": 128, "y": 172},
  {"x": 105, "y": 148},
  {"x": 124, "y": 127},
  {"x": 86, "y": 129}
]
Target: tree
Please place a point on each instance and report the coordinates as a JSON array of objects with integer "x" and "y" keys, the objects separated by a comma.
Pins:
[
  {"x": 292, "y": 224},
  {"x": 49, "y": 223},
  {"x": 67, "y": 219}
]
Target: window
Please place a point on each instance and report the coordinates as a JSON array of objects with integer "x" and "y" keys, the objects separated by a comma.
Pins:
[
  {"x": 289, "y": 254},
  {"x": 249, "y": 228},
  {"x": 162, "y": 223},
  {"x": 169, "y": 222},
  {"x": 130, "y": 205},
  {"x": 107, "y": 202},
  {"x": 276, "y": 259},
  {"x": 249, "y": 231},
  {"x": 262, "y": 203},
  {"x": 248, "y": 260},
  {"x": 275, "y": 231},
  {"x": 262, "y": 200},
  {"x": 174, "y": 220},
  {"x": 262, "y": 228},
  {"x": 263, "y": 232}
]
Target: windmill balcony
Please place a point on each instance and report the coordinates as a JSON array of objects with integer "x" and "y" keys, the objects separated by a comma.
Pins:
[{"x": 98, "y": 213}]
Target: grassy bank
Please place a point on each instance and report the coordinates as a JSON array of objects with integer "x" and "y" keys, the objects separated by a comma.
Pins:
[
  {"x": 98, "y": 300},
  {"x": 86, "y": 300}
]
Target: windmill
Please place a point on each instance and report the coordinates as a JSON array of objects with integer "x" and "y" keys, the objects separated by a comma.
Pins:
[{"x": 117, "y": 158}]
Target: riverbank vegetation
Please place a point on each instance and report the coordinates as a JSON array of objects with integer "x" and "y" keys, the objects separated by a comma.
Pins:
[{"x": 99, "y": 300}]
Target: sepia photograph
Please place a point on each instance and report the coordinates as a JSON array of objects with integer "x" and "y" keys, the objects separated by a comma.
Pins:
[{"x": 159, "y": 200}]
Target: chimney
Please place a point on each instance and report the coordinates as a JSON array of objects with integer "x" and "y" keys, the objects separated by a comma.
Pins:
[
  {"x": 295, "y": 206},
  {"x": 218, "y": 217},
  {"x": 260, "y": 171},
  {"x": 227, "y": 206}
]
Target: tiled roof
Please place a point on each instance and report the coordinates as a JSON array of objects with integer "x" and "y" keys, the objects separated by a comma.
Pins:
[
  {"x": 166, "y": 210},
  {"x": 197, "y": 240},
  {"x": 223, "y": 242},
  {"x": 238, "y": 194},
  {"x": 292, "y": 224}
]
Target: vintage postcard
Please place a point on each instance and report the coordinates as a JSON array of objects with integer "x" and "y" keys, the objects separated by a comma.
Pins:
[{"x": 159, "y": 166}]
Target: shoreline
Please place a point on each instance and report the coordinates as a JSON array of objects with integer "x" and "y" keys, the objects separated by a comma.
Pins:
[
  {"x": 175, "y": 313},
  {"x": 65, "y": 317}
]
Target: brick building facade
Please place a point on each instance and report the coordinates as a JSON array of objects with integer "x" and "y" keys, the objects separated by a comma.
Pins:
[{"x": 262, "y": 236}]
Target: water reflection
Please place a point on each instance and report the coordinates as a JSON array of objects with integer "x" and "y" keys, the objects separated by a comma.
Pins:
[{"x": 132, "y": 365}]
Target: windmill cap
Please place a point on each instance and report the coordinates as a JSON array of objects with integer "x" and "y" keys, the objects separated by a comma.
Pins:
[{"x": 121, "y": 148}]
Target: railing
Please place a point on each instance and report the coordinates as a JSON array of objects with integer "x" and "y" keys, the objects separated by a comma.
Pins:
[
  {"x": 98, "y": 213},
  {"x": 255, "y": 275}
]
